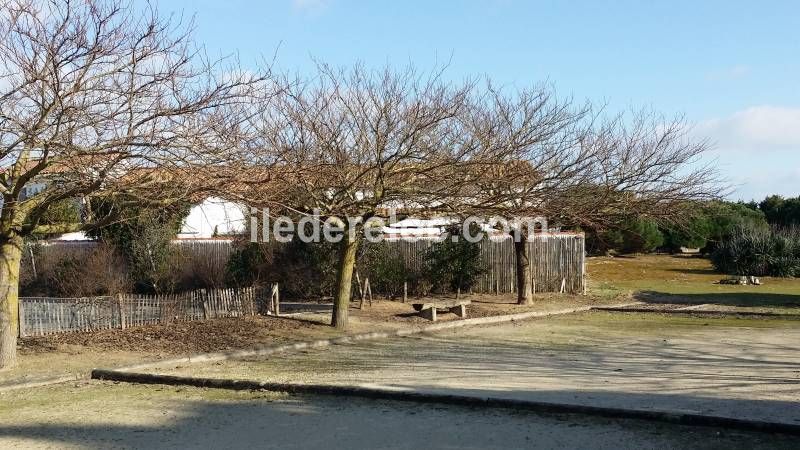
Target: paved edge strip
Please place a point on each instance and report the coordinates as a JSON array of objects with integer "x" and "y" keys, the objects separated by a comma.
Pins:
[
  {"x": 320, "y": 343},
  {"x": 672, "y": 417},
  {"x": 44, "y": 382}
]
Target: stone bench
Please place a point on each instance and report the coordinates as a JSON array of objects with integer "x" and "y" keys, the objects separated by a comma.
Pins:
[{"x": 428, "y": 309}]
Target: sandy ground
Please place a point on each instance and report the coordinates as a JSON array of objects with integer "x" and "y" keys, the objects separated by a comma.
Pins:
[
  {"x": 105, "y": 415},
  {"x": 75, "y": 354},
  {"x": 734, "y": 367}
]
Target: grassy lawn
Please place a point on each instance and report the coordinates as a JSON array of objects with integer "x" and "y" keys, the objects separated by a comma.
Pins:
[{"x": 680, "y": 279}]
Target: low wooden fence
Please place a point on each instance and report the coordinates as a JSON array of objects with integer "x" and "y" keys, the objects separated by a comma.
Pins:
[{"x": 44, "y": 315}]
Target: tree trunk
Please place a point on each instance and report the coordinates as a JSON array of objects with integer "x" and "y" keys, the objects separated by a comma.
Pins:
[
  {"x": 344, "y": 281},
  {"x": 524, "y": 294},
  {"x": 10, "y": 257}
]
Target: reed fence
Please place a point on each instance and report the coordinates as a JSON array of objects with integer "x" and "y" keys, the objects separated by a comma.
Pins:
[
  {"x": 47, "y": 315},
  {"x": 557, "y": 260}
]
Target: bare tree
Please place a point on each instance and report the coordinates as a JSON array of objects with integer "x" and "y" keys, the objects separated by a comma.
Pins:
[
  {"x": 572, "y": 168},
  {"x": 527, "y": 145},
  {"x": 99, "y": 98},
  {"x": 352, "y": 143}
]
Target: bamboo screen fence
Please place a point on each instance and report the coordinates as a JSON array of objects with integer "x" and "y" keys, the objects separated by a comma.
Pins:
[
  {"x": 46, "y": 315},
  {"x": 557, "y": 260}
]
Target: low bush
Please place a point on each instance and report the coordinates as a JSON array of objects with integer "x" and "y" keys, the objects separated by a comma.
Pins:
[
  {"x": 100, "y": 271},
  {"x": 387, "y": 271},
  {"x": 759, "y": 252},
  {"x": 305, "y": 270},
  {"x": 453, "y": 265}
]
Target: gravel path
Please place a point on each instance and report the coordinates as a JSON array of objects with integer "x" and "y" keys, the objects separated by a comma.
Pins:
[{"x": 738, "y": 368}]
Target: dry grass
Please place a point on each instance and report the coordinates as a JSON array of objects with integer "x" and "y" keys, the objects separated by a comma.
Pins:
[{"x": 686, "y": 280}]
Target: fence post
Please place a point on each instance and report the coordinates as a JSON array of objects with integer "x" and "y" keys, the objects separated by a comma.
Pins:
[
  {"x": 204, "y": 303},
  {"x": 275, "y": 299},
  {"x": 121, "y": 307},
  {"x": 405, "y": 291},
  {"x": 21, "y": 312}
]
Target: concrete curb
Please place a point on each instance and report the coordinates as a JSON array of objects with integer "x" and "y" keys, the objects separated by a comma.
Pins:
[
  {"x": 673, "y": 417},
  {"x": 320, "y": 343},
  {"x": 44, "y": 382}
]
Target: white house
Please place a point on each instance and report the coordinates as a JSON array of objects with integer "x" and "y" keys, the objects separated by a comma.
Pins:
[{"x": 214, "y": 217}]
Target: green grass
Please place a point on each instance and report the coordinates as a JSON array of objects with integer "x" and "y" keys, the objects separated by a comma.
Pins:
[
  {"x": 103, "y": 394},
  {"x": 674, "y": 279}
]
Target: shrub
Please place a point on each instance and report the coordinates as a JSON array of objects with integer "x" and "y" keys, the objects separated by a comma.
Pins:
[
  {"x": 693, "y": 234},
  {"x": 142, "y": 236},
  {"x": 634, "y": 235},
  {"x": 100, "y": 271},
  {"x": 303, "y": 269},
  {"x": 759, "y": 252},
  {"x": 453, "y": 265},
  {"x": 386, "y": 270}
]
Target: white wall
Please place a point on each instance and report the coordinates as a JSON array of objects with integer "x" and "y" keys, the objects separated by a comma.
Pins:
[{"x": 227, "y": 217}]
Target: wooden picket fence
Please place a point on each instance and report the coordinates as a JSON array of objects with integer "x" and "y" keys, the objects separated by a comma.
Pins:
[{"x": 46, "y": 315}]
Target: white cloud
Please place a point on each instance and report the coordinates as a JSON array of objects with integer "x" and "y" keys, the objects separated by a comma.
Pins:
[
  {"x": 310, "y": 6},
  {"x": 756, "y": 129},
  {"x": 757, "y": 149}
]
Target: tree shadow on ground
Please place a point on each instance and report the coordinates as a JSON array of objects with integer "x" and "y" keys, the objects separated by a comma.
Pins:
[
  {"x": 753, "y": 299},
  {"x": 344, "y": 422},
  {"x": 697, "y": 271}
]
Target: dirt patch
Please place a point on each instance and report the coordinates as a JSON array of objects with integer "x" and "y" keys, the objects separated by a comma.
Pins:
[
  {"x": 183, "y": 337},
  {"x": 483, "y": 305}
]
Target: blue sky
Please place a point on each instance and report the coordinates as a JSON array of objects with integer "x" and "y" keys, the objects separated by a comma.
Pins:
[{"x": 732, "y": 67}]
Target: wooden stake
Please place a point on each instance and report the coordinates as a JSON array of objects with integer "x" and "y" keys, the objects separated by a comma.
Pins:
[
  {"x": 275, "y": 300},
  {"x": 121, "y": 306},
  {"x": 368, "y": 290},
  {"x": 405, "y": 291},
  {"x": 360, "y": 290},
  {"x": 21, "y": 311}
]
